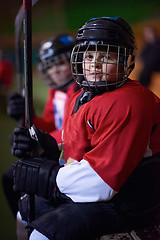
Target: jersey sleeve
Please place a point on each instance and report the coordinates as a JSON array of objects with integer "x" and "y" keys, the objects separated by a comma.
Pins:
[{"x": 82, "y": 184}]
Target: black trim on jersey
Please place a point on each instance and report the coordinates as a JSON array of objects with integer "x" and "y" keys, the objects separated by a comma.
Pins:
[{"x": 83, "y": 98}]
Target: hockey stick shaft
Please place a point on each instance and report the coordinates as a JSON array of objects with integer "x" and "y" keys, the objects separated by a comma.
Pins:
[
  {"x": 27, "y": 24},
  {"x": 18, "y": 29}
]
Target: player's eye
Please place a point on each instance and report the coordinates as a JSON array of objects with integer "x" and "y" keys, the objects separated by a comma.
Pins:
[{"x": 89, "y": 57}]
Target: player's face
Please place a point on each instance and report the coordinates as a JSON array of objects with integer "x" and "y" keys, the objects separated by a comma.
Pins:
[
  {"x": 100, "y": 66},
  {"x": 60, "y": 71}
]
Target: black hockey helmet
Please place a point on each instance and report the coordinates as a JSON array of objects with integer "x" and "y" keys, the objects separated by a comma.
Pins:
[
  {"x": 53, "y": 51},
  {"x": 110, "y": 35}
]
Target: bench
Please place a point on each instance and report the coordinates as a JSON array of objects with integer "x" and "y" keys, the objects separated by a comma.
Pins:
[{"x": 150, "y": 232}]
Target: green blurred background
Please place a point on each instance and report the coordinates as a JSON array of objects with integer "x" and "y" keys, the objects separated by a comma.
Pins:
[{"x": 49, "y": 18}]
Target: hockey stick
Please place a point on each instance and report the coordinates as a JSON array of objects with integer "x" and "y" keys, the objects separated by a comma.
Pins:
[
  {"x": 18, "y": 29},
  {"x": 23, "y": 18},
  {"x": 27, "y": 25}
]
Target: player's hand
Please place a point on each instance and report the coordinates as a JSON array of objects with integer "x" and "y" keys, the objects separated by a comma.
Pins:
[
  {"x": 34, "y": 143},
  {"x": 22, "y": 143},
  {"x": 16, "y": 106},
  {"x": 36, "y": 176}
]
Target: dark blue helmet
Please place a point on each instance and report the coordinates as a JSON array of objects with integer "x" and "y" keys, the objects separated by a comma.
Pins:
[
  {"x": 53, "y": 51},
  {"x": 109, "y": 35}
]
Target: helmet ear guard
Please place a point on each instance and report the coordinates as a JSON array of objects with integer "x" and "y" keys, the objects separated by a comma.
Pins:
[{"x": 109, "y": 36}]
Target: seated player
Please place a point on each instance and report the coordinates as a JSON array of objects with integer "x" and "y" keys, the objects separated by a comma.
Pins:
[{"x": 109, "y": 126}]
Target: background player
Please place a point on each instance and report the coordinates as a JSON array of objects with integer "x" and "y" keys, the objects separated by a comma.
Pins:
[{"x": 54, "y": 67}]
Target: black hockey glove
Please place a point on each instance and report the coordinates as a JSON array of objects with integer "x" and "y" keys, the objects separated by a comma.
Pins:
[
  {"x": 36, "y": 176},
  {"x": 34, "y": 143},
  {"x": 16, "y": 106}
]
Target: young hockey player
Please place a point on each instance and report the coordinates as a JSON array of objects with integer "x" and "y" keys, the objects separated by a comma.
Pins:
[{"x": 109, "y": 126}]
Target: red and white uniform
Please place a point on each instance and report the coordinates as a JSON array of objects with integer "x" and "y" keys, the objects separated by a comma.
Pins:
[
  {"x": 53, "y": 113},
  {"x": 108, "y": 137}
]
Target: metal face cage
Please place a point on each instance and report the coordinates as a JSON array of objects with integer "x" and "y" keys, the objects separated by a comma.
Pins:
[
  {"x": 92, "y": 63},
  {"x": 49, "y": 62}
]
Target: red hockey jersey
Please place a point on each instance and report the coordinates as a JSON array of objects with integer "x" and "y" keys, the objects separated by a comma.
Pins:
[{"x": 111, "y": 133}]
